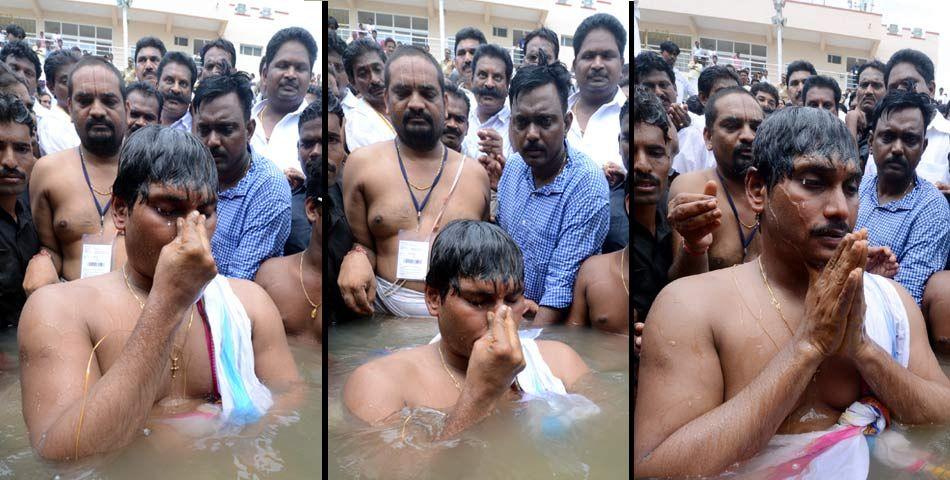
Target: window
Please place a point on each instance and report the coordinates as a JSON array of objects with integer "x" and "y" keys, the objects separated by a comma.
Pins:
[
  {"x": 240, "y": 9},
  {"x": 401, "y": 28},
  {"x": 567, "y": 40},
  {"x": 587, "y": 3},
  {"x": 28, "y": 25},
  {"x": 654, "y": 39},
  {"x": 199, "y": 44},
  {"x": 499, "y": 32},
  {"x": 751, "y": 55},
  {"x": 834, "y": 59},
  {"x": 343, "y": 18},
  {"x": 181, "y": 41},
  {"x": 252, "y": 50},
  {"x": 89, "y": 38},
  {"x": 266, "y": 12}
]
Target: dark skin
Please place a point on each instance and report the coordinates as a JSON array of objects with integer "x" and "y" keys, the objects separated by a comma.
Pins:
[
  {"x": 456, "y": 122},
  {"x": 597, "y": 68},
  {"x": 870, "y": 90},
  {"x": 25, "y": 68},
  {"x": 796, "y": 82},
  {"x": 310, "y": 145},
  {"x": 176, "y": 86},
  {"x": 490, "y": 74},
  {"x": 217, "y": 61},
  {"x": 336, "y": 61},
  {"x": 823, "y": 98},
  {"x": 664, "y": 88},
  {"x": 368, "y": 80},
  {"x": 936, "y": 308},
  {"x": 146, "y": 65},
  {"x": 60, "y": 85},
  {"x": 464, "y": 54},
  {"x": 766, "y": 101},
  {"x": 220, "y": 125},
  {"x": 285, "y": 81},
  {"x": 142, "y": 110},
  {"x": 537, "y": 44},
  {"x": 336, "y": 155},
  {"x": 16, "y": 160},
  {"x": 897, "y": 142}
]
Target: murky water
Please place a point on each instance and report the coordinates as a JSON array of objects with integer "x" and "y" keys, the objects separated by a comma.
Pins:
[
  {"x": 289, "y": 449},
  {"x": 508, "y": 445}
]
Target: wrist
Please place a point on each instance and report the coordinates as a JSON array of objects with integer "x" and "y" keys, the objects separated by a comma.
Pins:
[
  {"x": 808, "y": 352},
  {"x": 694, "y": 252}
]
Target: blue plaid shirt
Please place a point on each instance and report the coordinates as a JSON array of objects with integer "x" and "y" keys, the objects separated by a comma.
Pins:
[
  {"x": 253, "y": 220},
  {"x": 916, "y": 227},
  {"x": 556, "y": 226}
]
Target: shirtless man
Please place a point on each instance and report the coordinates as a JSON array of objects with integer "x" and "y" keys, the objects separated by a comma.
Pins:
[
  {"x": 71, "y": 190},
  {"x": 781, "y": 345},
  {"x": 474, "y": 288},
  {"x": 380, "y": 208},
  {"x": 135, "y": 327}
]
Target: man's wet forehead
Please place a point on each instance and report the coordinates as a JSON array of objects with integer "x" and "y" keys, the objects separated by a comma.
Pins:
[{"x": 826, "y": 163}]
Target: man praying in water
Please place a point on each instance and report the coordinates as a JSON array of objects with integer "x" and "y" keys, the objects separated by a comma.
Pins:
[
  {"x": 162, "y": 338},
  {"x": 474, "y": 289}
]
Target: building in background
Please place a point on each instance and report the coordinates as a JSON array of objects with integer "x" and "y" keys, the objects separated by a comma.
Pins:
[
  {"x": 96, "y": 26},
  {"x": 834, "y": 35}
]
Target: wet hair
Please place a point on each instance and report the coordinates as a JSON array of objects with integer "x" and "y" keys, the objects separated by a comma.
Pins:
[
  {"x": 669, "y": 47},
  {"x": 822, "y": 81},
  {"x": 712, "y": 113},
  {"x": 896, "y": 100},
  {"x": 767, "y": 88},
  {"x": 545, "y": 33},
  {"x": 147, "y": 90},
  {"x": 55, "y": 61},
  {"x": 875, "y": 64},
  {"x": 694, "y": 105},
  {"x": 223, "y": 44},
  {"x": 490, "y": 50},
  {"x": 166, "y": 156},
  {"x": 530, "y": 77},
  {"x": 217, "y": 86},
  {"x": 648, "y": 109},
  {"x": 291, "y": 34},
  {"x": 604, "y": 21},
  {"x": 95, "y": 61},
  {"x": 21, "y": 49},
  {"x": 357, "y": 49},
  {"x": 799, "y": 66},
  {"x": 13, "y": 110},
  {"x": 411, "y": 51},
  {"x": 712, "y": 74},
  {"x": 648, "y": 62},
  {"x": 454, "y": 91},
  {"x": 336, "y": 45},
  {"x": 146, "y": 42},
  {"x": 795, "y": 131},
  {"x": 471, "y": 249},
  {"x": 182, "y": 59},
  {"x": 921, "y": 62},
  {"x": 314, "y": 183},
  {"x": 15, "y": 30},
  {"x": 468, "y": 33},
  {"x": 313, "y": 111}
]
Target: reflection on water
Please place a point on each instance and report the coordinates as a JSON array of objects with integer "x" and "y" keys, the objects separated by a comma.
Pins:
[
  {"x": 292, "y": 448},
  {"x": 519, "y": 442}
]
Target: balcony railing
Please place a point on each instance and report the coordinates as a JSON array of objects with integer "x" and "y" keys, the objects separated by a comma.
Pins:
[{"x": 869, "y": 6}]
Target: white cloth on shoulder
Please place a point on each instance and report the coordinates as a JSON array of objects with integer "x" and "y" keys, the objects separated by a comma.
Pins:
[
  {"x": 244, "y": 399},
  {"x": 399, "y": 300}
]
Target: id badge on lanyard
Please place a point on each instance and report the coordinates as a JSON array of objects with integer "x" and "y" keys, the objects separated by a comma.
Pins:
[
  {"x": 412, "y": 260},
  {"x": 97, "y": 251}
]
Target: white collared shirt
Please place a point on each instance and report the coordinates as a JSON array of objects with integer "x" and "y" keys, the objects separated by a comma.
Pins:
[
  {"x": 497, "y": 122},
  {"x": 365, "y": 126},
  {"x": 684, "y": 88},
  {"x": 281, "y": 148},
  {"x": 348, "y": 102},
  {"x": 934, "y": 165},
  {"x": 56, "y": 132},
  {"x": 601, "y": 139},
  {"x": 183, "y": 123},
  {"x": 693, "y": 153}
]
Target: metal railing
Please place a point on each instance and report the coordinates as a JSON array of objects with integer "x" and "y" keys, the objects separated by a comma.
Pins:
[{"x": 869, "y": 6}]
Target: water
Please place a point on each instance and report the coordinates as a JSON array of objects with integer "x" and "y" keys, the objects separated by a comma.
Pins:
[
  {"x": 517, "y": 443},
  {"x": 290, "y": 449}
]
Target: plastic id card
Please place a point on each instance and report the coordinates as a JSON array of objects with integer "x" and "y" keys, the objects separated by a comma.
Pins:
[
  {"x": 96, "y": 255},
  {"x": 412, "y": 261}
]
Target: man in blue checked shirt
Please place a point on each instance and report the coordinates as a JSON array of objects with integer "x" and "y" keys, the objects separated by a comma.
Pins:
[
  {"x": 253, "y": 194},
  {"x": 552, "y": 200},
  {"x": 900, "y": 209}
]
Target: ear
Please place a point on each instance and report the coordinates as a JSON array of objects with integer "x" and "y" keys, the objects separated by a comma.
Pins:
[
  {"x": 433, "y": 301},
  {"x": 707, "y": 136},
  {"x": 756, "y": 190},
  {"x": 924, "y": 148},
  {"x": 251, "y": 125},
  {"x": 568, "y": 120},
  {"x": 120, "y": 214},
  {"x": 312, "y": 209},
  {"x": 932, "y": 87}
]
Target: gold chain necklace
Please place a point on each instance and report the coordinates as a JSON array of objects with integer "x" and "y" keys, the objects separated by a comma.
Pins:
[
  {"x": 623, "y": 254},
  {"x": 176, "y": 350},
  {"x": 316, "y": 306},
  {"x": 441, "y": 167},
  {"x": 446, "y": 367},
  {"x": 91, "y": 186},
  {"x": 775, "y": 302}
]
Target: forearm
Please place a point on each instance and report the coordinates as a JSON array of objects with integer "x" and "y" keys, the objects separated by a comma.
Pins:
[
  {"x": 117, "y": 405},
  {"x": 685, "y": 264},
  {"x": 912, "y": 399},
  {"x": 470, "y": 410},
  {"x": 739, "y": 428},
  {"x": 548, "y": 316}
]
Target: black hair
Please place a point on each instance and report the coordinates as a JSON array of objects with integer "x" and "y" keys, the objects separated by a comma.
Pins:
[
  {"x": 455, "y": 92},
  {"x": 223, "y": 44},
  {"x": 600, "y": 20},
  {"x": 822, "y": 81},
  {"x": 530, "y": 77},
  {"x": 921, "y": 62},
  {"x": 21, "y": 49},
  {"x": 648, "y": 62},
  {"x": 798, "y": 66},
  {"x": 9, "y": 78},
  {"x": 357, "y": 49},
  {"x": 767, "y": 88},
  {"x": 389, "y": 39},
  {"x": 313, "y": 111},
  {"x": 648, "y": 109},
  {"x": 471, "y": 249},
  {"x": 291, "y": 34},
  {"x": 95, "y": 61},
  {"x": 313, "y": 89},
  {"x": 670, "y": 47},
  {"x": 694, "y": 105},
  {"x": 332, "y": 23},
  {"x": 712, "y": 113},
  {"x": 413, "y": 51},
  {"x": 490, "y": 50},
  {"x": 16, "y": 30},
  {"x": 314, "y": 183},
  {"x": 146, "y": 89},
  {"x": 468, "y": 33},
  {"x": 13, "y": 110},
  {"x": 165, "y": 156},
  {"x": 217, "y": 86},
  {"x": 796, "y": 131},
  {"x": 336, "y": 45},
  {"x": 710, "y": 75},
  {"x": 182, "y": 59},
  {"x": 152, "y": 42},
  {"x": 625, "y": 110},
  {"x": 875, "y": 64},
  {"x": 545, "y": 33},
  {"x": 55, "y": 61},
  {"x": 896, "y": 100}
]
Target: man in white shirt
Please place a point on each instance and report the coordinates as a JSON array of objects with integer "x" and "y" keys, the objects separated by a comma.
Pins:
[
  {"x": 56, "y": 131},
  {"x": 467, "y": 41},
  {"x": 684, "y": 88},
  {"x": 367, "y": 122},
  {"x": 176, "y": 80},
  {"x": 492, "y": 69},
  {"x": 288, "y": 66},
  {"x": 336, "y": 47}
]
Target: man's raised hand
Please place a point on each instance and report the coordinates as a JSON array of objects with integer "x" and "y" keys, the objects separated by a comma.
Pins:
[
  {"x": 185, "y": 265},
  {"x": 496, "y": 357},
  {"x": 696, "y": 216}
]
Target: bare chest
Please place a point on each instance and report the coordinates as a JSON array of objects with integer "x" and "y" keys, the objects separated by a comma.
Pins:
[{"x": 608, "y": 305}]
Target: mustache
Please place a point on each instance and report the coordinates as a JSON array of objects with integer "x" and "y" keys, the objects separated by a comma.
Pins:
[
  {"x": 408, "y": 117},
  {"x": 176, "y": 97},
  {"x": 534, "y": 146},
  {"x": 12, "y": 173},
  {"x": 834, "y": 229},
  {"x": 649, "y": 178},
  {"x": 455, "y": 131},
  {"x": 96, "y": 123},
  {"x": 490, "y": 91}
]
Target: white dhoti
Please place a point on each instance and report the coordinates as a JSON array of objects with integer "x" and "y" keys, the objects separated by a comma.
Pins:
[{"x": 399, "y": 301}]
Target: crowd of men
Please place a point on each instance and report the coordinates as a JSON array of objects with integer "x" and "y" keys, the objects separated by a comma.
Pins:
[{"x": 788, "y": 258}]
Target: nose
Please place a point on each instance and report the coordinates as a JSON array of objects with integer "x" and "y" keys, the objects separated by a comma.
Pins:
[
  {"x": 376, "y": 78},
  {"x": 533, "y": 133},
  {"x": 747, "y": 134},
  {"x": 7, "y": 158},
  {"x": 97, "y": 110},
  {"x": 213, "y": 140},
  {"x": 836, "y": 208},
  {"x": 450, "y": 122}
]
